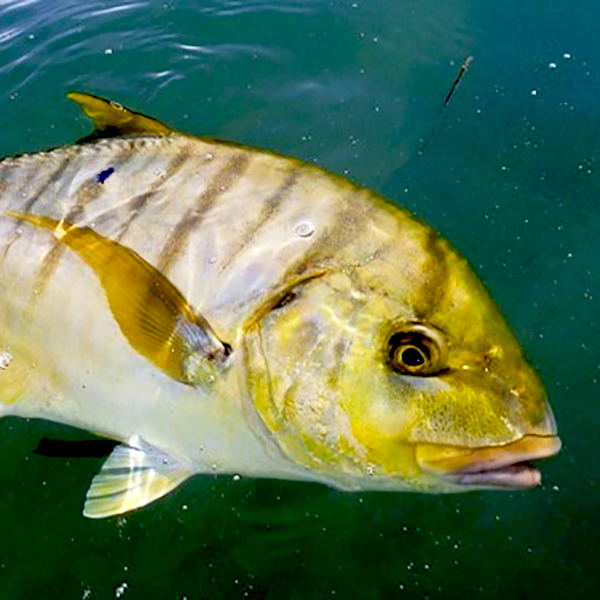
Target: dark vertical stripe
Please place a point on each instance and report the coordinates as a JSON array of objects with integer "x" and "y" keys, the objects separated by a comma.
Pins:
[
  {"x": 134, "y": 206},
  {"x": 271, "y": 206},
  {"x": 46, "y": 270},
  {"x": 218, "y": 185},
  {"x": 91, "y": 189},
  {"x": 138, "y": 203},
  {"x": 34, "y": 194},
  {"x": 33, "y": 197},
  {"x": 85, "y": 194},
  {"x": 341, "y": 228},
  {"x": 436, "y": 276}
]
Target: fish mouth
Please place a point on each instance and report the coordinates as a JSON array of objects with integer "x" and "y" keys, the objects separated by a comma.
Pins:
[{"x": 493, "y": 467}]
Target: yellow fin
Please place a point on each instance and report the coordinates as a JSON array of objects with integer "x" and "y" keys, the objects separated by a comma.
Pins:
[
  {"x": 151, "y": 312},
  {"x": 134, "y": 475},
  {"x": 112, "y": 119}
]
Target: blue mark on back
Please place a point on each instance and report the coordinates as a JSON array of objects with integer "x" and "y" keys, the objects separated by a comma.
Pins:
[{"x": 104, "y": 175}]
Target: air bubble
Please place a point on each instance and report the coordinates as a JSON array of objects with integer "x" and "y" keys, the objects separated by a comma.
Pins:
[
  {"x": 304, "y": 229},
  {"x": 5, "y": 360}
]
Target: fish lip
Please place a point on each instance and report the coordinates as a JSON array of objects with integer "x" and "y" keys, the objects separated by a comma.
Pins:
[
  {"x": 516, "y": 476},
  {"x": 494, "y": 467}
]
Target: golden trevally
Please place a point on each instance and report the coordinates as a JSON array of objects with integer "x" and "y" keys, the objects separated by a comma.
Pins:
[{"x": 223, "y": 309}]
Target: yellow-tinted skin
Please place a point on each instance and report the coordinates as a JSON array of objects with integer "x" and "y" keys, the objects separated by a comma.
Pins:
[{"x": 321, "y": 375}]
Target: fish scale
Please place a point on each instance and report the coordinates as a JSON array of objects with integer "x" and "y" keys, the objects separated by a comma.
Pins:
[{"x": 222, "y": 309}]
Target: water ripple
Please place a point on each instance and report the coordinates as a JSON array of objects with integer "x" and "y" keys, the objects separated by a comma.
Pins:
[
  {"x": 9, "y": 34},
  {"x": 230, "y": 50},
  {"x": 114, "y": 9},
  {"x": 10, "y": 5},
  {"x": 69, "y": 38},
  {"x": 230, "y": 8},
  {"x": 106, "y": 45}
]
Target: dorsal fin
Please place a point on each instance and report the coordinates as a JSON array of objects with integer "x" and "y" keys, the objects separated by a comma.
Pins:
[{"x": 112, "y": 119}]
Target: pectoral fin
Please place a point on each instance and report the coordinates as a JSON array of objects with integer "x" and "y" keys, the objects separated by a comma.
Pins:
[
  {"x": 134, "y": 475},
  {"x": 153, "y": 315},
  {"x": 112, "y": 119}
]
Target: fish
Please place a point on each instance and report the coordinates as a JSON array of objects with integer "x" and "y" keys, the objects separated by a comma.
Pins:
[{"x": 215, "y": 308}]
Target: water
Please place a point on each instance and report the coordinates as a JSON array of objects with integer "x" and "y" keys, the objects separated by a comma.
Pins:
[{"x": 510, "y": 176}]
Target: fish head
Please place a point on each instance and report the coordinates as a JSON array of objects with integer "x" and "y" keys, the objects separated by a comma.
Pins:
[{"x": 399, "y": 372}]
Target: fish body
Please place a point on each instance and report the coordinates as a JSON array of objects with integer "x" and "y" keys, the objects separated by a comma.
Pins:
[{"x": 223, "y": 309}]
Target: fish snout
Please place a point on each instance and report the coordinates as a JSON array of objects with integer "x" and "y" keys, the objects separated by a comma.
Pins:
[
  {"x": 547, "y": 425},
  {"x": 493, "y": 467}
]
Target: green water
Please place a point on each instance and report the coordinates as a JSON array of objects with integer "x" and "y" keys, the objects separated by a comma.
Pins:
[{"x": 510, "y": 176}]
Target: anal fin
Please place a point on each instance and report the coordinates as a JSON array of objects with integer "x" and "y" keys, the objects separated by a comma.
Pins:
[{"x": 134, "y": 475}]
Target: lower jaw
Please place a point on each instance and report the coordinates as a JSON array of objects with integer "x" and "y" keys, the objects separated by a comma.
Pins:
[
  {"x": 519, "y": 476},
  {"x": 493, "y": 467}
]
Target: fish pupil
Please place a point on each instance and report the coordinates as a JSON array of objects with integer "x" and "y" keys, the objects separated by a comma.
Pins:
[{"x": 412, "y": 357}]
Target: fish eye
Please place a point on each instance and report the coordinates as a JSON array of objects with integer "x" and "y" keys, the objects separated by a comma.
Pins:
[
  {"x": 413, "y": 356},
  {"x": 416, "y": 350}
]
